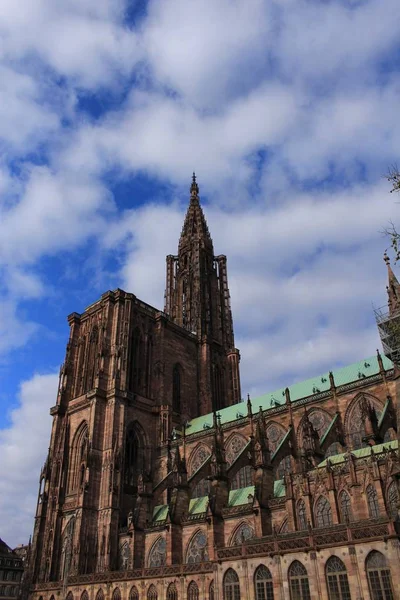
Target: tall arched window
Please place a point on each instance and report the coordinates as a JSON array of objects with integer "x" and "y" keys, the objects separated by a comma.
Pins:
[
  {"x": 138, "y": 362},
  {"x": 197, "y": 550},
  {"x": 172, "y": 592},
  {"x": 379, "y": 577},
  {"x": 134, "y": 593},
  {"x": 243, "y": 477},
  {"x": 84, "y": 595},
  {"x": 78, "y": 458},
  {"x": 116, "y": 595},
  {"x": 134, "y": 458},
  {"x": 263, "y": 586},
  {"x": 345, "y": 507},
  {"x": 100, "y": 595},
  {"x": 152, "y": 593},
  {"x": 301, "y": 515},
  {"x": 91, "y": 365},
  {"x": 69, "y": 596},
  {"x": 356, "y": 420},
  {"x": 283, "y": 467},
  {"x": 298, "y": 582},
  {"x": 124, "y": 555},
  {"x": 218, "y": 388},
  {"x": 211, "y": 593},
  {"x": 323, "y": 512},
  {"x": 176, "y": 388},
  {"x": 231, "y": 585},
  {"x": 393, "y": 501},
  {"x": 193, "y": 591},
  {"x": 157, "y": 554},
  {"x": 198, "y": 458},
  {"x": 372, "y": 499},
  {"x": 336, "y": 579}
]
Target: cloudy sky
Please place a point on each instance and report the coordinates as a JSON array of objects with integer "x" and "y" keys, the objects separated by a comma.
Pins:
[{"x": 286, "y": 109}]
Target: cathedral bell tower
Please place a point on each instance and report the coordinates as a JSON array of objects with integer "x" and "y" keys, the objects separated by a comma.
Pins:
[{"x": 197, "y": 298}]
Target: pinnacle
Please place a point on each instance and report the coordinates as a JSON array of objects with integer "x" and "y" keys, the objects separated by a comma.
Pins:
[{"x": 195, "y": 224}]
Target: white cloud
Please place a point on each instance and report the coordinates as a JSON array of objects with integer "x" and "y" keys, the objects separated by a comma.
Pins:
[{"x": 23, "y": 447}]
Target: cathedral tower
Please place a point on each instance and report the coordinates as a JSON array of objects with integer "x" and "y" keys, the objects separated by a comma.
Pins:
[{"x": 197, "y": 298}]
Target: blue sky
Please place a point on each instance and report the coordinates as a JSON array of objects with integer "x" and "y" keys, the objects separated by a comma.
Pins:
[{"x": 287, "y": 111}]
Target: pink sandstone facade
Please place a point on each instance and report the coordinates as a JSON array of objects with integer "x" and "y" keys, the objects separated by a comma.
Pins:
[{"x": 161, "y": 483}]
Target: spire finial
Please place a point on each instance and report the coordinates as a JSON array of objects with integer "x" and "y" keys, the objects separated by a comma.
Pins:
[
  {"x": 194, "y": 188},
  {"x": 386, "y": 258}
]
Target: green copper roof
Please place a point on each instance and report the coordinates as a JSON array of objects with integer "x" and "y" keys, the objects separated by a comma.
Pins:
[
  {"x": 160, "y": 513},
  {"x": 361, "y": 453},
  {"x": 198, "y": 505},
  {"x": 331, "y": 424},
  {"x": 241, "y": 496},
  {"x": 309, "y": 387}
]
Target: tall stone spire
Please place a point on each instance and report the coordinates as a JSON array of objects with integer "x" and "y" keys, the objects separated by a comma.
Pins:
[
  {"x": 393, "y": 287},
  {"x": 197, "y": 298}
]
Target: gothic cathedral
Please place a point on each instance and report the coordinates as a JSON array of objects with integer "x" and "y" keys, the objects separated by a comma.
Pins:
[{"x": 161, "y": 483}]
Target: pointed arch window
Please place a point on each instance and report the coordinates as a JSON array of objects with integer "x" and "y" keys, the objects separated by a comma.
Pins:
[
  {"x": 158, "y": 552},
  {"x": 138, "y": 362},
  {"x": 152, "y": 593},
  {"x": 356, "y": 420},
  {"x": 199, "y": 457},
  {"x": 284, "y": 466},
  {"x": 124, "y": 555},
  {"x": 197, "y": 551},
  {"x": 379, "y": 577},
  {"x": 69, "y": 596},
  {"x": 345, "y": 507},
  {"x": 336, "y": 579},
  {"x": 134, "y": 458},
  {"x": 193, "y": 591},
  {"x": 323, "y": 512},
  {"x": 84, "y": 595},
  {"x": 301, "y": 515},
  {"x": 231, "y": 585},
  {"x": 264, "y": 589},
  {"x": 116, "y": 595},
  {"x": 393, "y": 501},
  {"x": 244, "y": 477},
  {"x": 91, "y": 366},
  {"x": 79, "y": 458},
  {"x": 211, "y": 593},
  {"x": 372, "y": 499},
  {"x": 243, "y": 533},
  {"x": 100, "y": 595},
  {"x": 176, "y": 388},
  {"x": 134, "y": 593},
  {"x": 298, "y": 582},
  {"x": 172, "y": 592}
]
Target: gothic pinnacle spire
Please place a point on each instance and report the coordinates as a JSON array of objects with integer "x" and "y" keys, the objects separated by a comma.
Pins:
[
  {"x": 393, "y": 287},
  {"x": 194, "y": 188}
]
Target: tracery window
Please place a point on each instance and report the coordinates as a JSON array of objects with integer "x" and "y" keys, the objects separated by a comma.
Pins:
[
  {"x": 200, "y": 455},
  {"x": 231, "y": 585},
  {"x": 243, "y": 533},
  {"x": 243, "y": 477},
  {"x": 393, "y": 501},
  {"x": 211, "y": 593},
  {"x": 100, "y": 595},
  {"x": 275, "y": 433},
  {"x": 134, "y": 593},
  {"x": 193, "y": 591},
  {"x": 264, "y": 589},
  {"x": 285, "y": 466},
  {"x": 84, "y": 595},
  {"x": 152, "y": 593},
  {"x": 172, "y": 592},
  {"x": 298, "y": 582},
  {"x": 356, "y": 427},
  {"x": 345, "y": 507},
  {"x": 379, "y": 577},
  {"x": 134, "y": 457},
  {"x": 333, "y": 449},
  {"x": 69, "y": 596},
  {"x": 301, "y": 515},
  {"x": 284, "y": 528},
  {"x": 124, "y": 554},
  {"x": 323, "y": 512},
  {"x": 197, "y": 550},
  {"x": 320, "y": 420},
  {"x": 79, "y": 457},
  {"x": 116, "y": 595},
  {"x": 372, "y": 499},
  {"x": 336, "y": 579},
  {"x": 91, "y": 366},
  {"x": 176, "y": 388},
  {"x": 157, "y": 554},
  {"x": 138, "y": 379}
]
